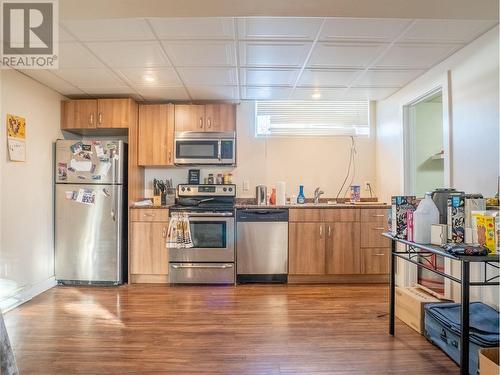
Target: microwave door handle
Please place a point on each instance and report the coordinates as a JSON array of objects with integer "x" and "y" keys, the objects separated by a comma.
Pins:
[{"x": 219, "y": 150}]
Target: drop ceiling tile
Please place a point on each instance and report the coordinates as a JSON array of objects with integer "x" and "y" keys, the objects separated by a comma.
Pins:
[
  {"x": 282, "y": 28},
  {"x": 150, "y": 76},
  {"x": 192, "y": 76},
  {"x": 265, "y": 77},
  {"x": 387, "y": 78},
  {"x": 163, "y": 93},
  {"x": 90, "y": 77},
  {"x": 213, "y": 92},
  {"x": 266, "y": 92},
  {"x": 201, "y": 53},
  {"x": 417, "y": 56},
  {"x": 328, "y": 77},
  {"x": 270, "y": 54},
  {"x": 301, "y": 93},
  {"x": 375, "y": 93},
  {"x": 75, "y": 55},
  {"x": 97, "y": 30},
  {"x": 109, "y": 91},
  {"x": 130, "y": 54},
  {"x": 461, "y": 31},
  {"x": 344, "y": 55},
  {"x": 193, "y": 28},
  {"x": 365, "y": 29},
  {"x": 56, "y": 83}
]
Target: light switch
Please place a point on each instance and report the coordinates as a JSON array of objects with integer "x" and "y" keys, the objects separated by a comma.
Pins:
[{"x": 246, "y": 185}]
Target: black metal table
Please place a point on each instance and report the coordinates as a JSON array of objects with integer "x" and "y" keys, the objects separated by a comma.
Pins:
[{"x": 413, "y": 252}]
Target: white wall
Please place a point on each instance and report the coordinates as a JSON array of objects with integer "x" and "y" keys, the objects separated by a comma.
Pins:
[
  {"x": 474, "y": 112},
  {"x": 475, "y": 120},
  {"x": 310, "y": 162},
  {"x": 26, "y": 188}
]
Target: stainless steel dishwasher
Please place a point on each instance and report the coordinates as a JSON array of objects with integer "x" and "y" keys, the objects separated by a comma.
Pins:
[{"x": 262, "y": 245}]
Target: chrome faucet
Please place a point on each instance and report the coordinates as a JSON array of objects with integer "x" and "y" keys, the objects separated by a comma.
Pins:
[{"x": 317, "y": 194}]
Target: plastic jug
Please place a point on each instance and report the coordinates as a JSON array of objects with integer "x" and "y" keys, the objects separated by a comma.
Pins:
[{"x": 424, "y": 216}]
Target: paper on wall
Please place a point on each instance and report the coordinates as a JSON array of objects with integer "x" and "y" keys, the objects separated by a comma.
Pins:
[
  {"x": 17, "y": 149},
  {"x": 81, "y": 165}
]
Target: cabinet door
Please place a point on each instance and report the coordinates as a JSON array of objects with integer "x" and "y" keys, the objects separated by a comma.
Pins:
[
  {"x": 306, "y": 249},
  {"x": 114, "y": 113},
  {"x": 220, "y": 118},
  {"x": 375, "y": 261},
  {"x": 342, "y": 248},
  {"x": 148, "y": 254},
  {"x": 79, "y": 114},
  {"x": 189, "y": 117},
  {"x": 155, "y": 135}
]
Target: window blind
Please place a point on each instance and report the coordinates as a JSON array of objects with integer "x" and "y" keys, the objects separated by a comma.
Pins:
[{"x": 282, "y": 118}]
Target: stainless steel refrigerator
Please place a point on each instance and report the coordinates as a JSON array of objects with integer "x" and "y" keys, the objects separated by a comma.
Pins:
[{"x": 90, "y": 211}]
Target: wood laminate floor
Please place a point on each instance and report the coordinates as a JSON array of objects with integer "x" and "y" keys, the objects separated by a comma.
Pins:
[{"x": 250, "y": 329}]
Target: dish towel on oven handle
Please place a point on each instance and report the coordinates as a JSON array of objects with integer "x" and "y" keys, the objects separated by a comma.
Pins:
[{"x": 179, "y": 232}]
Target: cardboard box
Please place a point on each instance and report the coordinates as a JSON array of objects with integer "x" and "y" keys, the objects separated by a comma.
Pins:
[
  {"x": 485, "y": 225},
  {"x": 489, "y": 361},
  {"x": 410, "y": 304},
  {"x": 400, "y": 204},
  {"x": 456, "y": 218}
]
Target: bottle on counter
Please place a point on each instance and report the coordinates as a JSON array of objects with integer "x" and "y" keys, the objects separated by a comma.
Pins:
[
  {"x": 301, "y": 199},
  {"x": 424, "y": 216},
  {"x": 210, "y": 179},
  {"x": 272, "y": 198},
  {"x": 220, "y": 179}
]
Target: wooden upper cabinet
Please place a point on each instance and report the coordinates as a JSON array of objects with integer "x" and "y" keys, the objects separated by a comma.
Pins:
[
  {"x": 220, "y": 118},
  {"x": 79, "y": 114},
  {"x": 189, "y": 118},
  {"x": 342, "y": 248},
  {"x": 156, "y": 135},
  {"x": 98, "y": 113},
  {"x": 205, "y": 118},
  {"x": 114, "y": 113},
  {"x": 306, "y": 249}
]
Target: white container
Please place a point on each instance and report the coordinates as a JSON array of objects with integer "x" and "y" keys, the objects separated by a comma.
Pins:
[
  {"x": 424, "y": 216},
  {"x": 280, "y": 193}
]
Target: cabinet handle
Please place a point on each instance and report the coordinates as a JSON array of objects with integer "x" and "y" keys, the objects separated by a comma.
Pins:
[
  {"x": 379, "y": 254},
  {"x": 149, "y": 215},
  {"x": 378, "y": 228},
  {"x": 201, "y": 122},
  {"x": 321, "y": 231},
  {"x": 378, "y": 215},
  {"x": 170, "y": 156},
  {"x": 91, "y": 119},
  {"x": 164, "y": 232},
  {"x": 209, "y": 122},
  {"x": 100, "y": 118},
  {"x": 329, "y": 231}
]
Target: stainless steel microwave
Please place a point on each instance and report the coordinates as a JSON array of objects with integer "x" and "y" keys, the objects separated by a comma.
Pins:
[{"x": 208, "y": 148}]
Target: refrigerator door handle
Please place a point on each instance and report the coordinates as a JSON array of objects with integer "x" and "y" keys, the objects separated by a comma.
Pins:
[{"x": 113, "y": 214}]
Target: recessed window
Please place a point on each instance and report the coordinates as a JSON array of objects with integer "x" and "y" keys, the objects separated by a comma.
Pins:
[{"x": 302, "y": 118}]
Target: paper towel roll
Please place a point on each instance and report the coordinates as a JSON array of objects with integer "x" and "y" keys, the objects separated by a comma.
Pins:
[{"x": 280, "y": 193}]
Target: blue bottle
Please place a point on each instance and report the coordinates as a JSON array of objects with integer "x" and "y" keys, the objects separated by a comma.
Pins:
[{"x": 301, "y": 199}]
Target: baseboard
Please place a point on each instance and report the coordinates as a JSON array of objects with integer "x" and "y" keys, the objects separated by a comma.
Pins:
[
  {"x": 338, "y": 279},
  {"x": 29, "y": 293}
]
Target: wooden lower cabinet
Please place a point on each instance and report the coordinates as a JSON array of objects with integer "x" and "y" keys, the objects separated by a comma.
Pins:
[
  {"x": 375, "y": 261},
  {"x": 148, "y": 255},
  {"x": 306, "y": 249},
  {"x": 342, "y": 248},
  {"x": 331, "y": 244}
]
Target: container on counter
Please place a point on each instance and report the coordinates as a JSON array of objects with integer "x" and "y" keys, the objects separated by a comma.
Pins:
[
  {"x": 424, "y": 217},
  {"x": 272, "y": 198},
  {"x": 211, "y": 179},
  {"x": 355, "y": 193},
  {"x": 220, "y": 179},
  {"x": 301, "y": 199}
]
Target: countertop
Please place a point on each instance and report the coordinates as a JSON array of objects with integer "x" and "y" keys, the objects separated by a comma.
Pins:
[{"x": 319, "y": 205}]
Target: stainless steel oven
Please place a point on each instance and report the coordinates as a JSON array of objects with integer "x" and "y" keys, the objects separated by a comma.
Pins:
[
  {"x": 208, "y": 148},
  {"x": 213, "y": 238}
]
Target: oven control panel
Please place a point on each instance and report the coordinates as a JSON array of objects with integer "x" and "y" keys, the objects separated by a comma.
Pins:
[{"x": 185, "y": 190}]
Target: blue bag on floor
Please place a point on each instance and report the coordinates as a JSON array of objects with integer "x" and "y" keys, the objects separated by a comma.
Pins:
[{"x": 442, "y": 328}]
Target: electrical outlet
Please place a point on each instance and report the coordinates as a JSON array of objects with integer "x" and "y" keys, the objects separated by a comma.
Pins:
[
  {"x": 246, "y": 185},
  {"x": 367, "y": 185}
]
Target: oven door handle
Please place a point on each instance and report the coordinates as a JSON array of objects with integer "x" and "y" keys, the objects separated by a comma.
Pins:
[
  {"x": 224, "y": 266},
  {"x": 212, "y": 214}
]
